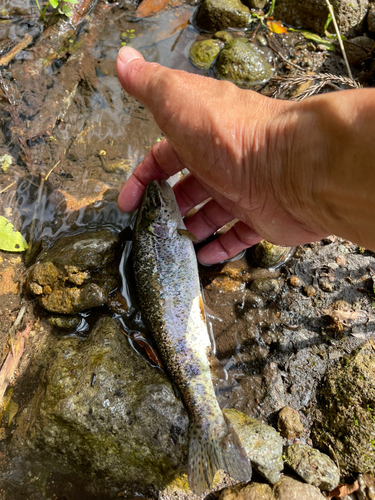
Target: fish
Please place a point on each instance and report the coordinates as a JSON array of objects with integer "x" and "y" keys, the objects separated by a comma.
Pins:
[{"x": 169, "y": 295}]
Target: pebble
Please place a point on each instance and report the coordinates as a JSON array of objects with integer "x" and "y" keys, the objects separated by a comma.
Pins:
[
  {"x": 366, "y": 487},
  {"x": 266, "y": 287},
  {"x": 294, "y": 281},
  {"x": 309, "y": 290},
  {"x": 314, "y": 467},
  {"x": 341, "y": 261},
  {"x": 290, "y": 489},
  {"x": 326, "y": 286},
  {"x": 289, "y": 423},
  {"x": 253, "y": 491}
]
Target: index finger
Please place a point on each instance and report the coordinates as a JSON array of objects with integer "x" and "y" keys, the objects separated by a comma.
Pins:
[{"x": 161, "y": 163}]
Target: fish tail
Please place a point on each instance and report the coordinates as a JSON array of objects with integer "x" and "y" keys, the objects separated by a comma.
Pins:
[{"x": 209, "y": 454}]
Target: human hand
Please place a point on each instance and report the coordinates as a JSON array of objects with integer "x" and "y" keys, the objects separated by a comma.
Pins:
[{"x": 254, "y": 157}]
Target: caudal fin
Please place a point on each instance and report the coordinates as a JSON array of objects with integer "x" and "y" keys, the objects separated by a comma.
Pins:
[{"x": 208, "y": 455}]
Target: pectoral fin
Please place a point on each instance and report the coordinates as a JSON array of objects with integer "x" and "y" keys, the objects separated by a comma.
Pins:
[{"x": 188, "y": 234}]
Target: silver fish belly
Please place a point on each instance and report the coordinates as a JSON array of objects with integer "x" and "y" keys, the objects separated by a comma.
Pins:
[{"x": 169, "y": 294}]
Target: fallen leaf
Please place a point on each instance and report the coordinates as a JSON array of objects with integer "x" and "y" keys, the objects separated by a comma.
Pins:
[
  {"x": 276, "y": 26},
  {"x": 7, "y": 285},
  {"x": 149, "y": 350},
  {"x": 10, "y": 240},
  {"x": 148, "y": 7},
  {"x": 343, "y": 489}
]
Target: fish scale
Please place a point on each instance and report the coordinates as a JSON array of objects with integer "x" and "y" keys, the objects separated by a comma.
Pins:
[{"x": 169, "y": 295}]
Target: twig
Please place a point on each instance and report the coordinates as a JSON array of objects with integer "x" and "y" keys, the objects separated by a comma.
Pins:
[
  {"x": 282, "y": 57},
  {"x": 11, "y": 361},
  {"x": 10, "y": 185},
  {"x": 5, "y": 60},
  {"x": 52, "y": 169},
  {"x": 330, "y": 8},
  {"x": 15, "y": 326}
]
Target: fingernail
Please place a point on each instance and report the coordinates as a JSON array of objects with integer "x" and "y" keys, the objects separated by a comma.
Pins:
[{"x": 126, "y": 54}]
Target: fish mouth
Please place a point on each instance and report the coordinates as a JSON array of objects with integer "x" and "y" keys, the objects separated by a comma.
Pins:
[{"x": 160, "y": 195}]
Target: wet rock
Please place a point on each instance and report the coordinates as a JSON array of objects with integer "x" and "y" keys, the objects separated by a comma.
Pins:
[
  {"x": 202, "y": 54},
  {"x": 366, "y": 484},
  {"x": 326, "y": 286},
  {"x": 216, "y": 15},
  {"x": 253, "y": 491},
  {"x": 290, "y": 489},
  {"x": 242, "y": 63},
  {"x": 294, "y": 281},
  {"x": 261, "y": 442},
  {"x": 358, "y": 49},
  {"x": 267, "y": 255},
  {"x": 371, "y": 19},
  {"x": 289, "y": 423},
  {"x": 101, "y": 411},
  {"x": 76, "y": 273},
  {"x": 313, "y": 15},
  {"x": 314, "y": 467},
  {"x": 64, "y": 322},
  {"x": 345, "y": 417},
  {"x": 309, "y": 290},
  {"x": 266, "y": 287},
  {"x": 223, "y": 36},
  {"x": 256, "y": 4}
]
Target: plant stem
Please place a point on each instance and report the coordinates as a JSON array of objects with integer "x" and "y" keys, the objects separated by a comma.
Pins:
[
  {"x": 330, "y": 8},
  {"x": 40, "y": 11}
]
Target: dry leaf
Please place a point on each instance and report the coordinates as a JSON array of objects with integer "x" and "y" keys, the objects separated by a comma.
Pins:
[
  {"x": 343, "y": 489},
  {"x": 276, "y": 26}
]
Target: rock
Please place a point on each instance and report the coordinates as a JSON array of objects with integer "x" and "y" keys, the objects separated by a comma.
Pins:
[
  {"x": 76, "y": 273},
  {"x": 64, "y": 322},
  {"x": 371, "y": 19},
  {"x": 294, "y": 281},
  {"x": 313, "y": 15},
  {"x": 267, "y": 255},
  {"x": 216, "y": 15},
  {"x": 253, "y": 491},
  {"x": 290, "y": 489},
  {"x": 266, "y": 287},
  {"x": 289, "y": 423},
  {"x": 326, "y": 286},
  {"x": 101, "y": 411},
  {"x": 366, "y": 485},
  {"x": 314, "y": 467},
  {"x": 309, "y": 290},
  {"x": 358, "y": 49},
  {"x": 202, "y": 54},
  {"x": 261, "y": 442},
  {"x": 345, "y": 416},
  {"x": 242, "y": 63},
  {"x": 256, "y": 4},
  {"x": 223, "y": 36}
]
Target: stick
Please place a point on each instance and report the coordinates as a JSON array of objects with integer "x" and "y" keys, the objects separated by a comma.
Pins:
[
  {"x": 5, "y": 60},
  {"x": 330, "y": 8}
]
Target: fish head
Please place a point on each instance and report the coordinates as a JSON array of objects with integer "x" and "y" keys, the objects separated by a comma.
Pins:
[{"x": 159, "y": 213}]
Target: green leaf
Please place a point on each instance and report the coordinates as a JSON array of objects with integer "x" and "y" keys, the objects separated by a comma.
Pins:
[
  {"x": 5, "y": 161},
  {"x": 54, "y": 3},
  {"x": 74, "y": 2},
  {"x": 10, "y": 240},
  {"x": 65, "y": 9},
  {"x": 328, "y": 22},
  {"x": 315, "y": 38}
]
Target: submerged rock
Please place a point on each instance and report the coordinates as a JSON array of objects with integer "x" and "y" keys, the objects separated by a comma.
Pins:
[
  {"x": 202, "y": 54},
  {"x": 290, "y": 489},
  {"x": 242, "y": 63},
  {"x": 313, "y": 15},
  {"x": 216, "y": 15},
  {"x": 102, "y": 411},
  {"x": 262, "y": 443},
  {"x": 314, "y": 467},
  {"x": 223, "y": 35},
  {"x": 346, "y": 413},
  {"x": 267, "y": 255},
  {"x": 76, "y": 273},
  {"x": 358, "y": 49}
]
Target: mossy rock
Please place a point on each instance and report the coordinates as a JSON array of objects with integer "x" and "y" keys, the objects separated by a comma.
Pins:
[
  {"x": 202, "y": 54},
  {"x": 242, "y": 63},
  {"x": 216, "y": 15},
  {"x": 345, "y": 418}
]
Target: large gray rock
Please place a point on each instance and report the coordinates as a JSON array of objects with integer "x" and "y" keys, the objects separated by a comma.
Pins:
[
  {"x": 314, "y": 467},
  {"x": 262, "y": 443},
  {"x": 242, "y": 63},
  {"x": 101, "y": 411},
  {"x": 346, "y": 414},
  {"x": 216, "y": 15},
  {"x": 313, "y": 14}
]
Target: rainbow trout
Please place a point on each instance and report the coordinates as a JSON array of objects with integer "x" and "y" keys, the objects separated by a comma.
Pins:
[{"x": 169, "y": 294}]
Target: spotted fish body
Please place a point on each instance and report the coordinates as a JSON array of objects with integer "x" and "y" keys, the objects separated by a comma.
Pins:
[{"x": 169, "y": 294}]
